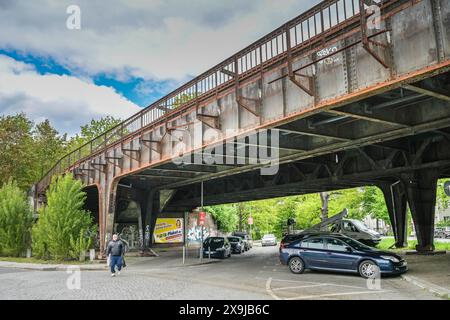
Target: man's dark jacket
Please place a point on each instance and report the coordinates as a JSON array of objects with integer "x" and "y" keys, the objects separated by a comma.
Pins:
[{"x": 115, "y": 248}]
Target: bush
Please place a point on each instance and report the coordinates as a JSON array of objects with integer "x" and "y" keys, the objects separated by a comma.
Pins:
[
  {"x": 79, "y": 246},
  {"x": 15, "y": 220},
  {"x": 63, "y": 222}
]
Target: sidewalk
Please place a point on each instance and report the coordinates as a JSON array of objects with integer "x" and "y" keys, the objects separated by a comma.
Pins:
[
  {"x": 431, "y": 273},
  {"x": 168, "y": 258},
  {"x": 52, "y": 267}
]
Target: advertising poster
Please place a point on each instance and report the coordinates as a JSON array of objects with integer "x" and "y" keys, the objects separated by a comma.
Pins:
[{"x": 169, "y": 230}]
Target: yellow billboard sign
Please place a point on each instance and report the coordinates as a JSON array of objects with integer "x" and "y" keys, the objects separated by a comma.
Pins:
[{"x": 169, "y": 230}]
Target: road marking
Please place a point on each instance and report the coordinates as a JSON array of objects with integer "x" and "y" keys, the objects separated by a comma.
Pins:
[
  {"x": 335, "y": 294},
  {"x": 269, "y": 290},
  {"x": 321, "y": 283},
  {"x": 300, "y": 287},
  {"x": 311, "y": 284}
]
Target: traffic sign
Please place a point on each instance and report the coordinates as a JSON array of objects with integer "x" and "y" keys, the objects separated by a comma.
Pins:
[
  {"x": 250, "y": 221},
  {"x": 201, "y": 218}
]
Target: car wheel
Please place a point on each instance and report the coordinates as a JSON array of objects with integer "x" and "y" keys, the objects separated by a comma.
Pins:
[
  {"x": 296, "y": 265},
  {"x": 368, "y": 269}
]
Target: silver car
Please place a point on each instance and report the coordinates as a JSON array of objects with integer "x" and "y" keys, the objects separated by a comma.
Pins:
[{"x": 269, "y": 240}]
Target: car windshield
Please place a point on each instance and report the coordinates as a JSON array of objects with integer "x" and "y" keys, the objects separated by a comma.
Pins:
[
  {"x": 269, "y": 236},
  {"x": 361, "y": 226},
  {"x": 356, "y": 244},
  {"x": 234, "y": 239},
  {"x": 214, "y": 243}
]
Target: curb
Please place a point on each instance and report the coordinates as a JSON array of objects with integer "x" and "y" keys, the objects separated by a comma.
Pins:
[
  {"x": 97, "y": 267},
  {"x": 51, "y": 267},
  {"x": 430, "y": 287}
]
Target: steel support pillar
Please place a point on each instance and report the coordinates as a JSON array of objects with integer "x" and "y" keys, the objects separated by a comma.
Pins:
[
  {"x": 396, "y": 203},
  {"x": 421, "y": 194},
  {"x": 152, "y": 210},
  {"x": 107, "y": 209}
]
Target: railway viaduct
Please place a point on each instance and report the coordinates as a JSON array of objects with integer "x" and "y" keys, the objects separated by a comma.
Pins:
[{"x": 350, "y": 93}]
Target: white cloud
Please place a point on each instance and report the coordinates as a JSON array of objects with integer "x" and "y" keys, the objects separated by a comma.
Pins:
[
  {"x": 66, "y": 101},
  {"x": 152, "y": 39}
]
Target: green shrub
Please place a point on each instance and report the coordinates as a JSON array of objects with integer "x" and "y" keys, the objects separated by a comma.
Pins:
[
  {"x": 15, "y": 220},
  {"x": 79, "y": 246},
  {"x": 63, "y": 221}
]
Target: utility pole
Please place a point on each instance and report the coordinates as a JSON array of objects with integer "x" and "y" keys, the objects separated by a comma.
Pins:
[{"x": 201, "y": 205}]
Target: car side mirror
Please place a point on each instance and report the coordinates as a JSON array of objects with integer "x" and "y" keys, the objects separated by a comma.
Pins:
[{"x": 348, "y": 249}]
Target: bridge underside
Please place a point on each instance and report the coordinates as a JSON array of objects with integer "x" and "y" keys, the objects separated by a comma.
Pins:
[
  {"x": 336, "y": 104},
  {"x": 398, "y": 141}
]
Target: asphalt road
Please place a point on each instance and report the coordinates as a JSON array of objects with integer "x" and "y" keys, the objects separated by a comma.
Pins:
[{"x": 256, "y": 274}]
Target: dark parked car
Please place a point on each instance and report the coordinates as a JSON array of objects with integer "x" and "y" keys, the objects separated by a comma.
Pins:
[
  {"x": 288, "y": 239},
  {"x": 216, "y": 247},
  {"x": 248, "y": 242},
  {"x": 336, "y": 252},
  {"x": 237, "y": 245}
]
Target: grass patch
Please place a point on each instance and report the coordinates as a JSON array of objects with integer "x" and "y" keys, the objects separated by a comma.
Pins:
[
  {"x": 40, "y": 261},
  {"x": 385, "y": 244}
]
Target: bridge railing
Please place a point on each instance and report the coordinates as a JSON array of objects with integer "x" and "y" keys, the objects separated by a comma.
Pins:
[{"x": 324, "y": 17}]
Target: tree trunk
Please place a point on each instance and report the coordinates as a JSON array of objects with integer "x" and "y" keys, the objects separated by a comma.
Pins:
[
  {"x": 324, "y": 197},
  {"x": 240, "y": 216}
]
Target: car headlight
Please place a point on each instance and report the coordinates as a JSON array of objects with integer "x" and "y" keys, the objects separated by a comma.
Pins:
[{"x": 390, "y": 258}]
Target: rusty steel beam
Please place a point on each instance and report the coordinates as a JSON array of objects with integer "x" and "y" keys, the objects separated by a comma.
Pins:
[
  {"x": 366, "y": 118},
  {"x": 427, "y": 92}
]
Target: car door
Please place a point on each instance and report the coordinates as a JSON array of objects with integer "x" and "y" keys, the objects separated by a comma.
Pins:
[
  {"x": 338, "y": 257},
  {"x": 313, "y": 251}
]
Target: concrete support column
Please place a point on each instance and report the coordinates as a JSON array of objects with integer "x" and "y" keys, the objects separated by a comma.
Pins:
[
  {"x": 107, "y": 209},
  {"x": 421, "y": 193},
  {"x": 396, "y": 202},
  {"x": 150, "y": 214}
]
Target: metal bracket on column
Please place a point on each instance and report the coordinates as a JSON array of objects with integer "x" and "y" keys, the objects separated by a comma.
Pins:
[
  {"x": 293, "y": 74},
  {"x": 182, "y": 127},
  {"x": 79, "y": 172},
  {"x": 132, "y": 152},
  {"x": 311, "y": 90},
  {"x": 255, "y": 109},
  {"x": 150, "y": 144},
  {"x": 366, "y": 40},
  {"x": 99, "y": 166},
  {"x": 115, "y": 160},
  {"x": 210, "y": 120}
]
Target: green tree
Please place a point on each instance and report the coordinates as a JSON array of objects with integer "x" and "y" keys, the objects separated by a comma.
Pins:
[
  {"x": 442, "y": 199},
  {"x": 15, "y": 220},
  {"x": 61, "y": 222},
  {"x": 225, "y": 216},
  {"x": 182, "y": 99},
  {"x": 48, "y": 147},
  {"x": 17, "y": 158},
  {"x": 374, "y": 204},
  {"x": 93, "y": 130},
  {"x": 79, "y": 245}
]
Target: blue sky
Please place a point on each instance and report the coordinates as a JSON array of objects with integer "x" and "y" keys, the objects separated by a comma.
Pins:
[
  {"x": 126, "y": 55},
  {"x": 136, "y": 89}
]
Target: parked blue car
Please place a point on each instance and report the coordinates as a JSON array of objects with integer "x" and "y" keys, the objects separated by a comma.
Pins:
[{"x": 336, "y": 252}]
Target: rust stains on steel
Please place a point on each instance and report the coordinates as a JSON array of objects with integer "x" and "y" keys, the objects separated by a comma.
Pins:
[{"x": 307, "y": 32}]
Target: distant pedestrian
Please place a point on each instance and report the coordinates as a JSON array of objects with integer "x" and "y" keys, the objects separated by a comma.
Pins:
[{"x": 115, "y": 251}]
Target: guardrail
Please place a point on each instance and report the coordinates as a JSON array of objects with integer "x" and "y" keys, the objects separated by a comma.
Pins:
[{"x": 311, "y": 26}]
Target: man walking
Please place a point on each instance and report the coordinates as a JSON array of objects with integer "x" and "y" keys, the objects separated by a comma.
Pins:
[{"x": 115, "y": 251}]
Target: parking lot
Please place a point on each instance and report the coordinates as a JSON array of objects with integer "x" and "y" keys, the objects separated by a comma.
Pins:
[{"x": 256, "y": 274}]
